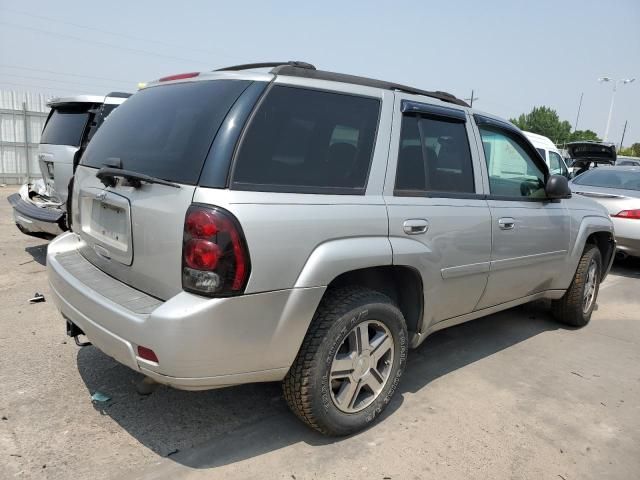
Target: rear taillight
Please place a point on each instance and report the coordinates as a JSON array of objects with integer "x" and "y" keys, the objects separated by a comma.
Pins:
[
  {"x": 634, "y": 214},
  {"x": 215, "y": 259},
  {"x": 179, "y": 76}
]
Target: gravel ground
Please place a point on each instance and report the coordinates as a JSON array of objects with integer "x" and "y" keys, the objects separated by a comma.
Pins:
[{"x": 513, "y": 395}]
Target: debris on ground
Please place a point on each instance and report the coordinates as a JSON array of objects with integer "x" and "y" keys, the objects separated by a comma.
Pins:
[
  {"x": 100, "y": 397},
  {"x": 37, "y": 298}
]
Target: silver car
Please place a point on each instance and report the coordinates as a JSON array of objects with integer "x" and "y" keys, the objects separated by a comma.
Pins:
[
  {"x": 310, "y": 227},
  {"x": 618, "y": 190}
]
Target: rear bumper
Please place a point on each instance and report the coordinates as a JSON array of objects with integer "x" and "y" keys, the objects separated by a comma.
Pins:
[
  {"x": 200, "y": 342},
  {"x": 630, "y": 246},
  {"x": 627, "y": 235},
  {"x": 31, "y": 218}
]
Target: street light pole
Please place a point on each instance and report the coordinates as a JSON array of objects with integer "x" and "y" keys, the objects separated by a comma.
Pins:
[{"x": 623, "y": 81}]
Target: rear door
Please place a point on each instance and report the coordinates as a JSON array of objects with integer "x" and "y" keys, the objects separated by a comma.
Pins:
[
  {"x": 60, "y": 141},
  {"x": 134, "y": 233},
  {"x": 530, "y": 234},
  {"x": 439, "y": 221}
]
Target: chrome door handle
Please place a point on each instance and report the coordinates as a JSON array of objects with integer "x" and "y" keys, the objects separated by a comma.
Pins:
[
  {"x": 507, "y": 223},
  {"x": 415, "y": 226}
]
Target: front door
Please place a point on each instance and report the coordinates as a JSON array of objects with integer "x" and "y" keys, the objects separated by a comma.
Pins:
[
  {"x": 530, "y": 234},
  {"x": 439, "y": 221}
]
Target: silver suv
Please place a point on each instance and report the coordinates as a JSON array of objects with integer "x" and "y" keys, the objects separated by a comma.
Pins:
[{"x": 309, "y": 227}]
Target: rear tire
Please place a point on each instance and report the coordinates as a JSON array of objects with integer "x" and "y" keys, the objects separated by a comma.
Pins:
[
  {"x": 577, "y": 304},
  {"x": 350, "y": 362}
]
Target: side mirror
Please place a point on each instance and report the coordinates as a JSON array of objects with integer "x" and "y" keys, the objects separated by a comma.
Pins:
[{"x": 557, "y": 187}]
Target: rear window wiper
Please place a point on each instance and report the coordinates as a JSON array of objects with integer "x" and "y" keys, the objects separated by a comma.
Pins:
[{"x": 108, "y": 176}]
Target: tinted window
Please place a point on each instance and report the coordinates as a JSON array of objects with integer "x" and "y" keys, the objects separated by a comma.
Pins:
[
  {"x": 610, "y": 178},
  {"x": 542, "y": 153},
  {"x": 65, "y": 126},
  {"x": 434, "y": 156},
  {"x": 310, "y": 141},
  {"x": 165, "y": 131},
  {"x": 512, "y": 171},
  {"x": 99, "y": 118}
]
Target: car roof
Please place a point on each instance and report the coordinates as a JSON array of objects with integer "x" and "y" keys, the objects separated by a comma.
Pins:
[
  {"x": 303, "y": 70},
  {"x": 540, "y": 140},
  {"x": 616, "y": 168}
]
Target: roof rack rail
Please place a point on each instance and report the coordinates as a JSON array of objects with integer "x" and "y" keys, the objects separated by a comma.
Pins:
[
  {"x": 249, "y": 66},
  {"x": 289, "y": 68}
]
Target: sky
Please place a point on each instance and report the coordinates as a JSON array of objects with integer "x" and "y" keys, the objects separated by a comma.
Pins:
[{"x": 513, "y": 54}]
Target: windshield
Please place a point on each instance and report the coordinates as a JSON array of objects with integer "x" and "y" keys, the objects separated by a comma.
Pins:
[
  {"x": 610, "y": 178},
  {"x": 165, "y": 131},
  {"x": 65, "y": 126}
]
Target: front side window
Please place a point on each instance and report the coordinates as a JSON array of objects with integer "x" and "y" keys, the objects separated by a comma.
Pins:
[
  {"x": 556, "y": 165},
  {"x": 512, "y": 171},
  {"x": 308, "y": 141},
  {"x": 434, "y": 156}
]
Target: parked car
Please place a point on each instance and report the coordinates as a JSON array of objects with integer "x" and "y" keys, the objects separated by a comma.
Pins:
[
  {"x": 40, "y": 207},
  {"x": 309, "y": 227},
  {"x": 588, "y": 154},
  {"x": 618, "y": 190},
  {"x": 623, "y": 161},
  {"x": 550, "y": 153}
]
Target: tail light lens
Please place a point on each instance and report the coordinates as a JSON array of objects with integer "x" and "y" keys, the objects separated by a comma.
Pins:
[
  {"x": 634, "y": 214},
  {"x": 215, "y": 259}
]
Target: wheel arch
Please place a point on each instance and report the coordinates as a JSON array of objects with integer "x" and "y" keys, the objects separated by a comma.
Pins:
[{"x": 402, "y": 284}]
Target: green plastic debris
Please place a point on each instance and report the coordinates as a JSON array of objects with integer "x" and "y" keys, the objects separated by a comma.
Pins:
[{"x": 100, "y": 397}]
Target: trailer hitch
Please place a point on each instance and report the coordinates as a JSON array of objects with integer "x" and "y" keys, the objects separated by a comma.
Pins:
[{"x": 74, "y": 331}]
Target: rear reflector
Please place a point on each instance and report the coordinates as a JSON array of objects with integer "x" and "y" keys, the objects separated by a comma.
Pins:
[
  {"x": 633, "y": 214},
  {"x": 147, "y": 354},
  {"x": 179, "y": 76}
]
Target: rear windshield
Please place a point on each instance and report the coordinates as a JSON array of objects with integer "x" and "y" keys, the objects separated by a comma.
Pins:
[
  {"x": 610, "y": 178},
  {"x": 65, "y": 126},
  {"x": 165, "y": 131}
]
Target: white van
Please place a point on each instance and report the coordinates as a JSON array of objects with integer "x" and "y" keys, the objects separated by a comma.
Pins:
[{"x": 547, "y": 149}]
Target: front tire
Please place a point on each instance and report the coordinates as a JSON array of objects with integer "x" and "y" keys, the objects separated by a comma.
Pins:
[
  {"x": 577, "y": 304},
  {"x": 350, "y": 361}
]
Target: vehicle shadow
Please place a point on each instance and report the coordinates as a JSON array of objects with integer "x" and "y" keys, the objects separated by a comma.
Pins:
[
  {"x": 38, "y": 253},
  {"x": 219, "y": 427},
  {"x": 626, "y": 267}
]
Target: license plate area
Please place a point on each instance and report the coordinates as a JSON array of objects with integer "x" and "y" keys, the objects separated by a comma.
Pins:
[{"x": 105, "y": 219}]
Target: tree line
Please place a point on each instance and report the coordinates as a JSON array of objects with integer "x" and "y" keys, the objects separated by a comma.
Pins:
[{"x": 545, "y": 121}]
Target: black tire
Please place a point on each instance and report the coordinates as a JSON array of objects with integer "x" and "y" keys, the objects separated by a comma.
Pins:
[
  {"x": 570, "y": 308},
  {"x": 307, "y": 386}
]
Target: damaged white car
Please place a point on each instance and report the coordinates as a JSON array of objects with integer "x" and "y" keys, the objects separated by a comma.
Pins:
[{"x": 40, "y": 207}]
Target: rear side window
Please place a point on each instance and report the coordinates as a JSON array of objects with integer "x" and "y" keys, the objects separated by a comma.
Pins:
[
  {"x": 434, "y": 156},
  {"x": 308, "y": 141},
  {"x": 65, "y": 126},
  {"x": 165, "y": 131}
]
